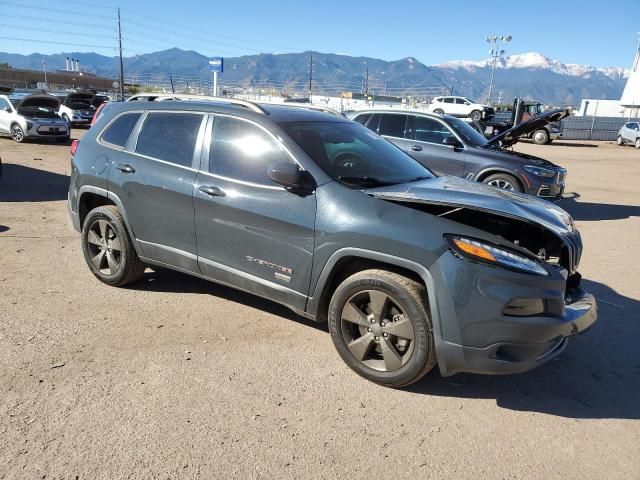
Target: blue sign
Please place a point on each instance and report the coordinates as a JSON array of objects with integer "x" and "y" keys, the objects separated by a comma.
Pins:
[{"x": 216, "y": 64}]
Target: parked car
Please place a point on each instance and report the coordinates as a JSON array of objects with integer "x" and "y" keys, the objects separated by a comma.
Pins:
[
  {"x": 523, "y": 111},
  {"x": 77, "y": 108},
  {"x": 318, "y": 213},
  {"x": 33, "y": 116},
  {"x": 629, "y": 134},
  {"x": 450, "y": 146},
  {"x": 461, "y": 107}
]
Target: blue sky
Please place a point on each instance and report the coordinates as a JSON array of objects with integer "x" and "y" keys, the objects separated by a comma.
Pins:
[{"x": 586, "y": 32}]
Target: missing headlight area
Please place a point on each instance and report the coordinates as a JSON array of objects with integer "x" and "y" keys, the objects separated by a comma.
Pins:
[{"x": 535, "y": 239}]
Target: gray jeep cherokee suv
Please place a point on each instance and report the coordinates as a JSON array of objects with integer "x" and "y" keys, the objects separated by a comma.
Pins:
[{"x": 320, "y": 214}]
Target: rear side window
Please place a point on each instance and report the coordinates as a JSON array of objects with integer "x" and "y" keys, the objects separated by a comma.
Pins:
[
  {"x": 448, "y": 100},
  {"x": 169, "y": 136},
  {"x": 118, "y": 132},
  {"x": 243, "y": 151},
  {"x": 392, "y": 125}
]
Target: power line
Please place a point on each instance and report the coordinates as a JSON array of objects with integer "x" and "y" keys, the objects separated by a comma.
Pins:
[
  {"x": 48, "y": 20},
  {"x": 57, "y": 10},
  {"x": 57, "y": 43},
  {"x": 59, "y": 32}
]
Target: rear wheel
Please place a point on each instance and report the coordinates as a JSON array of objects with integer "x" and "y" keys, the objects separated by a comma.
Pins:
[
  {"x": 476, "y": 115},
  {"x": 541, "y": 137},
  {"x": 108, "y": 249},
  {"x": 381, "y": 327},
  {"x": 620, "y": 141},
  {"x": 17, "y": 133},
  {"x": 439, "y": 111},
  {"x": 504, "y": 181}
]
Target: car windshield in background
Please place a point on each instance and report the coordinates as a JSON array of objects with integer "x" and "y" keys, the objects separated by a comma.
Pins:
[
  {"x": 469, "y": 134},
  {"x": 355, "y": 156}
]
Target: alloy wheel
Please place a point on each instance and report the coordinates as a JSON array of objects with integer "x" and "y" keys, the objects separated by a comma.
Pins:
[
  {"x": 540, "y": 137},
  {"x": 502, "y": 184},
  {"x": 17, "y": 133},
  {"x": 377, "y": 331},
  {"x": 104, "y": 247}
]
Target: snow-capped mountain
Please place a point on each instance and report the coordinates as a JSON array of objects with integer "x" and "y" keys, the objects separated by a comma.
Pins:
[{"x": 537, "y": 61}]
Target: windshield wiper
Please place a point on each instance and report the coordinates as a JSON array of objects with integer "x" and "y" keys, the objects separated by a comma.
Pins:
[{"x": 364, "y": 181}]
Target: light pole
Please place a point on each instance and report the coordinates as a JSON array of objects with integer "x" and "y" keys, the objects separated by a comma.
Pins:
[{"x": 496, "y": 52}]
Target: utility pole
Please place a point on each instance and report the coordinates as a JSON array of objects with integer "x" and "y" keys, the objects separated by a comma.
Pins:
[
  {"x": 310, "y": 76},
  {"x": 366, "y": 78},
  {"x": 121, "y": 63},
  {"x": 495, "y": 52}
]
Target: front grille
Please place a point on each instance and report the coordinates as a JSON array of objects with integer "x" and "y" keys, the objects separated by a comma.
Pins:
[
  {"x": 572, "y": 251},
  {"x": 562, "y": 175},
  {"x": 551, "y": 190},
  {"x": 51, "y": 130}
]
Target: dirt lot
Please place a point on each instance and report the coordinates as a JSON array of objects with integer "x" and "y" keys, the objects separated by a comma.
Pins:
[{"x": 175, "y": 377}]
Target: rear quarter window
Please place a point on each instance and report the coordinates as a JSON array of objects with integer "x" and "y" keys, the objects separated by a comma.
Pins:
[{"x": 118, "y": 132}]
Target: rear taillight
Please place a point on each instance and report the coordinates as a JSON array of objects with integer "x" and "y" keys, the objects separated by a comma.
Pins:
[{"x": 74, "y": 147}]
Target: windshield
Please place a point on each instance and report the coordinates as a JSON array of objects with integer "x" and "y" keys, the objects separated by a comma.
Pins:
[
  {"x": 354, "y": 155},
  {"x": 469, "y": 134}
]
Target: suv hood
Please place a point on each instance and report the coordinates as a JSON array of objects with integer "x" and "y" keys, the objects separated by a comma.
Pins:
[
  {"x": 78, "y": 97},
  {"x": 511, "y": 136},
  {"x": 458, "y": 193},
  {"x": 40, "y": 100}
]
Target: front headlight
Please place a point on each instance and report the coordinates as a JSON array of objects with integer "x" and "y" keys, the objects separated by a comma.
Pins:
[
  {"x": 540, "y": 171},
  {"x": 493, "y": 255}
]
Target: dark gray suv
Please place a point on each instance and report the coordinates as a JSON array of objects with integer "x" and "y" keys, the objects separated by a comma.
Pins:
[
  {"x": 450, "y": 146},
  {"x": 320, "y": 214}
]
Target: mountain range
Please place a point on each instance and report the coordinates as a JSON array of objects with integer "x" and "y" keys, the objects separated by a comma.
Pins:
[{"x": 529, "y": 75}]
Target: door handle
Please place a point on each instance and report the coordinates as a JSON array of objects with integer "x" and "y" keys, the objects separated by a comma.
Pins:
[
  {"x": 123, "y": 167},
  {"x": 416, "y": 148},
  {"x": 212, "y": 191}
]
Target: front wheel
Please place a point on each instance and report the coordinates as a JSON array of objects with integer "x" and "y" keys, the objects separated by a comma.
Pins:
[
  {"x": 108, "y": 249},
  {"x": 438, "y": 111},
  {"x": 619, "y": 141},
  {"x": 476, "y": 115},
  {"x": 637, "y": 142},
  {"x": 541, "y": 137},
  {"x": 381, "y": 327},
  {"x": 504, "y": 181},
  {"x": 17, "y": 133}
]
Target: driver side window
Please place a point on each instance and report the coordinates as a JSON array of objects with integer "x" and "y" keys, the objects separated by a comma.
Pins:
[
  {"x": 242, "y": 151},
  {"x": 3, "y": 104}
]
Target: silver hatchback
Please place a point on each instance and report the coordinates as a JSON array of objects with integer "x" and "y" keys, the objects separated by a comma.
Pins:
[{"x": 629, "y": 134}]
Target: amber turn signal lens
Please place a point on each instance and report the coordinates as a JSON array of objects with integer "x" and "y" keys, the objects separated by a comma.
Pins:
[{"x": 474, "y": 250}]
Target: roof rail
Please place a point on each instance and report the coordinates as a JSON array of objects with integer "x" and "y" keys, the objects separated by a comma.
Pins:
[
  {"x": 205, "y": 98},
  {"x": 307, "y": 106}
]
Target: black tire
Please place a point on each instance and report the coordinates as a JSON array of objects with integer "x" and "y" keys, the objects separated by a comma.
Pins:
[
  {"x": 98, "y": 242},
  {"x": 504, "y": 181},
  {"x": 476, "y": 115},
  {"x": 541, "y": 137},
  {"x": 17, "y": 133},
  {"x": 439, "y": 111},
  {"x": 619, "y": 140},
  {"x": 404, "y": 310}
]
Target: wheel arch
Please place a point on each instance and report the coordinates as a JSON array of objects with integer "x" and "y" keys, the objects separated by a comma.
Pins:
[
  {"x": 493, "y": 170},
  {"x": 348, "y": 261},
  {"x": 90, "y": 197}
]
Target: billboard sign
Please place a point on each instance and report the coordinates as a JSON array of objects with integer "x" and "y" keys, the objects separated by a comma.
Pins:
[{"x": 216, "y": 64}]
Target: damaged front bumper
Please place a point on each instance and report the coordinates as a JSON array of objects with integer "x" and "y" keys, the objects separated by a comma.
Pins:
[{"x": 478, "y": 336}]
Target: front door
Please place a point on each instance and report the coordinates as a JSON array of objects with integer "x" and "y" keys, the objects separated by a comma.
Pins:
[
  {"x": 154, "y": 178},
  {"x": 5, "y": 116},
  {"x": 251, "y": 233},
  {"x": 426, "y": 144}
]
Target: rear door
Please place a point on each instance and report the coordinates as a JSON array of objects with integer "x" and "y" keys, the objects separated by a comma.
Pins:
[
  {"x": 395, "y": 128},
  {"x": 425, "y": 144},
  {"x": 154, "y": 178},
  {"x": 252, "y": 233}
]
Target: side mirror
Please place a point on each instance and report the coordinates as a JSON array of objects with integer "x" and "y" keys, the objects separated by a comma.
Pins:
[
  {"x": 291, "y": 177},
  {"x": 8, "y": 109},
  {"x": 451, "y": 141}
]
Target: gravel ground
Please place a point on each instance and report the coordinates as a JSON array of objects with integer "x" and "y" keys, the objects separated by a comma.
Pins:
[{"x": 174, "y": 377}]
